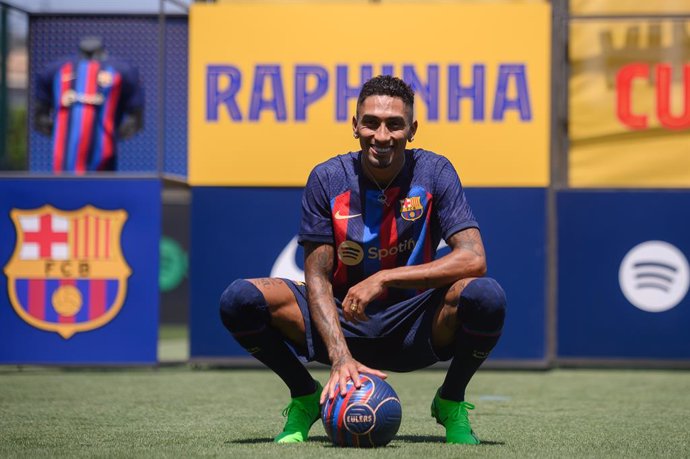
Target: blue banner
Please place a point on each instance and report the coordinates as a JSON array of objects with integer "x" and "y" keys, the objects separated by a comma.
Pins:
[
  {"x": 80, "y": 265},
  {"x": 251, "y": 232},
  {"x": 623, "y": 275}
]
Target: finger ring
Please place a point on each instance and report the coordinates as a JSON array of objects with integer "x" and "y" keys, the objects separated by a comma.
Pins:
[{"x": 353, "y": 307}]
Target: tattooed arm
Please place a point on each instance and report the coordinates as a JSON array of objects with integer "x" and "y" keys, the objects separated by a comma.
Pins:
[
  {"x": 318, "y": 268},
  {"x": 466, "y": 259}
]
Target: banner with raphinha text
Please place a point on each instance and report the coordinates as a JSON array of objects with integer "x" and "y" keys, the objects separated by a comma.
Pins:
[{"x": 273, "y": 88}]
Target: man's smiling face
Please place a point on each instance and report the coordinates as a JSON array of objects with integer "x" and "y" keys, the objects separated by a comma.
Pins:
[{"x": 384, "y": 125}]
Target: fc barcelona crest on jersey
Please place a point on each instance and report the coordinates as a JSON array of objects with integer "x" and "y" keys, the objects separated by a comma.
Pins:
[
  {"x": 105, "y": 79},
  {"x": 411, "y": 208},
  {"x": 67, "y": 273}
]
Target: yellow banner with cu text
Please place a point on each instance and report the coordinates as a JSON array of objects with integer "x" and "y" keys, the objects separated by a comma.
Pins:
[
  {"x": 629, "y": 103},
  {"x": 273, "y": 88}
]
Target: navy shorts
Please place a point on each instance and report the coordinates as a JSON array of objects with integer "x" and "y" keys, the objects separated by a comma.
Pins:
[{"x": 397, "y": 338}]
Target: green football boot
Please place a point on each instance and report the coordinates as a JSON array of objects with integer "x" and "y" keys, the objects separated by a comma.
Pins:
[
  {"x": 301, "y": 413},
  {"x": 454, "y": 417}
]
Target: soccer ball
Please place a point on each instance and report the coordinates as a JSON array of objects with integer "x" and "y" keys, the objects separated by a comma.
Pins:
[{"x": 366, "y": 417}]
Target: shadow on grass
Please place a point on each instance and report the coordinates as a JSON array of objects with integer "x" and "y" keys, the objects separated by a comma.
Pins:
[
  {"x": 402, "y": 438},
  {"x": 250, "y": 441},
  {"x": 436, "y": 439},
  {"x": 253, "y": 441}
]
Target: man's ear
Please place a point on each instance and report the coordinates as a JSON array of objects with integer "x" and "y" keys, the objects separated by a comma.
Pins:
[
  {"x": 354, "y": 127},
  {"x": 413, "y": 131}
]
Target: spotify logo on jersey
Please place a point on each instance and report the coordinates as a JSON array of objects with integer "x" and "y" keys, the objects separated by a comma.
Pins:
[
  {"x": 350, "y": 253},
  {"x": 654, "y": 276}
]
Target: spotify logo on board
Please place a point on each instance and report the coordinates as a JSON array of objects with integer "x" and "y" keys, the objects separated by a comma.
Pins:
[{"x": 654, "y": 276}]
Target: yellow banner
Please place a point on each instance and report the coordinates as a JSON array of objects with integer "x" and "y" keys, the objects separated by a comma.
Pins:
[
  {"x": 630, "y": 104},
  {"x": 273, "y": 87}
]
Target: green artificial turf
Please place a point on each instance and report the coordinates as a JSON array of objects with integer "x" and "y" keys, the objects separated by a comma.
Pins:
[{"x": 183, "y": 412}]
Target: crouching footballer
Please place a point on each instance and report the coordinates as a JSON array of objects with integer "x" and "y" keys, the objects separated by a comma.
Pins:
[{"x": 375, "y": 298}]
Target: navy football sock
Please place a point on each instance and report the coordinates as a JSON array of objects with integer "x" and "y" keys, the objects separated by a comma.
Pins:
[
  {"x": 245, "y": 314},
  {"x": 481, "y": 310}
]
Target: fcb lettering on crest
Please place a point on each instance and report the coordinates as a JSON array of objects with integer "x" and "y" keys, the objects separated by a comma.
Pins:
[
  {"x": 67, "y": 273},
  {"x": 411, "y": 208}
]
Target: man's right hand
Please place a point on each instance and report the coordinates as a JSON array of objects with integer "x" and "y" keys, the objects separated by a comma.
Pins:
[{"x": 342, "y": 370}]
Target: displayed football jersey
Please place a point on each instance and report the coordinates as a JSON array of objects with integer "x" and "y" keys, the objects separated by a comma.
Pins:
[
  {"x": 373, "y": 229},
  {"x": 89, "y": 98}
]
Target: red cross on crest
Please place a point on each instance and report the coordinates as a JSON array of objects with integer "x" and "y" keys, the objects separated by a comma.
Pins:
[{"x": 45, "y": 237}]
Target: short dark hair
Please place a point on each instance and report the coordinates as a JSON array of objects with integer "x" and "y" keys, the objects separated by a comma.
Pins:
[{"x": 386, "y": 85}]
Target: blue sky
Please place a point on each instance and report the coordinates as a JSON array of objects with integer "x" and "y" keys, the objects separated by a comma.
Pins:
[
  {"x": 94, "y": 6},
  {"x": 18, "y": 23}
]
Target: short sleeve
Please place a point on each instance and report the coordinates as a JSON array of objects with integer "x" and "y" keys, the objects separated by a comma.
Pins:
[
  {"x": 132, "y": 89},
  {"x": 453, "y": 210},
  {"x": 316, "y": 224},
  {"x": 44, "y": 84}
]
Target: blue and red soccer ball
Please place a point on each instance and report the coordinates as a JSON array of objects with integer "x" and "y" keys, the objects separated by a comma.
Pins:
[{"x": 366, "y": 417}]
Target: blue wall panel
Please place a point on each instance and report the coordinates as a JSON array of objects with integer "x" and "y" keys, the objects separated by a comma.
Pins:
[
  {"x": 597, "y": 229},
  {"x": 241, "y": 233},
  {"x": 235, "y": 233}
]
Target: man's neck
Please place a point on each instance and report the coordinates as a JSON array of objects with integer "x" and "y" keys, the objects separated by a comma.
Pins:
[{"x": 385, "y": 175}]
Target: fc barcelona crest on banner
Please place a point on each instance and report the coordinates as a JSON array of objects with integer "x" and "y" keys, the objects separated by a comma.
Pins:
[
  {"x": 67, "y": 273},
  {"x": 411, "y": 208}
]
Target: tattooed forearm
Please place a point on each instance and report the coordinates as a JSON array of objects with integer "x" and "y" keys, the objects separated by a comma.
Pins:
[
  {"x": 465, "y": 260},
  {"x": 318, "y": 267}
]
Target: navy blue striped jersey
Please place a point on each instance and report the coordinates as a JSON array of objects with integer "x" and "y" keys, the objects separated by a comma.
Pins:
[
  {"x": 89, "y": 98},
  {"x": 423, "y": 204}
]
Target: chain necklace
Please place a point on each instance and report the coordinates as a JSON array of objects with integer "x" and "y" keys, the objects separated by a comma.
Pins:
[{"x": 381, "y": 198}]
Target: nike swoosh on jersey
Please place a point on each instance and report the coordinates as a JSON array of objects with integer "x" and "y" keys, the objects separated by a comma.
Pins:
[{"x": 345, "y": 217}]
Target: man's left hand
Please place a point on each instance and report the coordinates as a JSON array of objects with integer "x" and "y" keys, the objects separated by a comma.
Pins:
[{"x": 359, "y": 296}]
